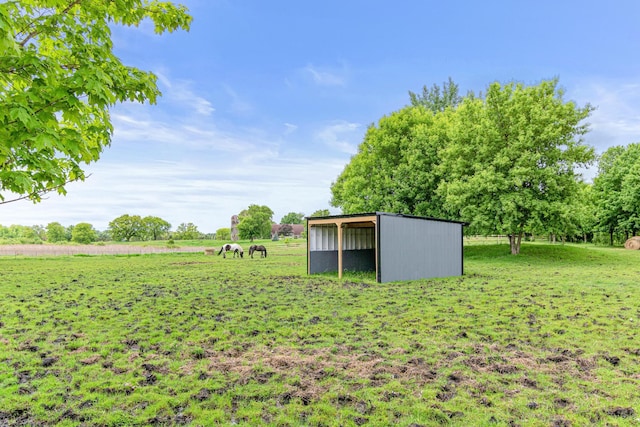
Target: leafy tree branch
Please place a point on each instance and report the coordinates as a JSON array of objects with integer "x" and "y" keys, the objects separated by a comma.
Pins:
[{"x": 60, "y": 78}]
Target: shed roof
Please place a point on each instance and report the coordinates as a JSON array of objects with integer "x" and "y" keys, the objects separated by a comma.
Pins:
[{"x": 369, "y": 214}]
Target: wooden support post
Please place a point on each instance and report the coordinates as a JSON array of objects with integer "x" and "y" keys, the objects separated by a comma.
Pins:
[{"x": 339, "y": 250}]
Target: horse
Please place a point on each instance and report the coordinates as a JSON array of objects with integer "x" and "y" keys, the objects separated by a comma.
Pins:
[
  {"x": 258, "y": 248},
  {"x": 234, "y": 247}
]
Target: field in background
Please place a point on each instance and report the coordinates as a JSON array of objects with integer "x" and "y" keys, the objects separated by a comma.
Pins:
[
  {"x": 163, "y": 246},
  {"x": 547, "y": 338},
  {"x": 106, "y": 249},
  {"x": 127, "y": 248}
]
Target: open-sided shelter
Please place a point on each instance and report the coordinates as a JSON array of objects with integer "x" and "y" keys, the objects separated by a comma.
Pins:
[{"x": 397, "y": 247}]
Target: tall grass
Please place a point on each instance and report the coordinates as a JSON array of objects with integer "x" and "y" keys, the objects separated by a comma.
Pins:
[{"x": 546, "y": 338}]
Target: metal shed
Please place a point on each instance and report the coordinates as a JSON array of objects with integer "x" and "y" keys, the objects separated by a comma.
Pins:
[{"x": 395, "y": 246}]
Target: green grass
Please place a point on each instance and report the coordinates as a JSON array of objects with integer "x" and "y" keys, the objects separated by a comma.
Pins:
[{"x": 546, "y": 338}]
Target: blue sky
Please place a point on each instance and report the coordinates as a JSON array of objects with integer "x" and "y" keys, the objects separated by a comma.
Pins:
[{"x": 265, "y": 102}]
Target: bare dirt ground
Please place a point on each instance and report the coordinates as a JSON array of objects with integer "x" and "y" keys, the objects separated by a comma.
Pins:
[{"x": 50, "y": 250}]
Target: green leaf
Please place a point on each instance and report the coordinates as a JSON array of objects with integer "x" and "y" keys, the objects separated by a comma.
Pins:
[{"x": 59, "y": 77}]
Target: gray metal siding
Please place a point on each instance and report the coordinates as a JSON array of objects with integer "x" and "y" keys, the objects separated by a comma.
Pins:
[
  {"x": 323, "y": 261},
  {"x": 359, "y": 260},
  {"x": 412, "y": 248}
]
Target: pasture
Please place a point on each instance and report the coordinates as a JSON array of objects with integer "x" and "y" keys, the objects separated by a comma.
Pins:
[{"x": 547, "y": 338}]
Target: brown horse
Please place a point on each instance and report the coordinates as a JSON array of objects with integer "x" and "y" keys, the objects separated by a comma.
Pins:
[{"x": 258, "y": 248}]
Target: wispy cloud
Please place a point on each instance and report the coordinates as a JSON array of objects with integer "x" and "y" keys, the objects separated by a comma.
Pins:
[
  {"x": 289, "y": 128},
  {"x": 165, "y": 163},
  {"x": 178, "y": 161},
  {"x": 203, "y": 188},
  {"x": 238, "y": 104},
  {"x": 179, "y": 133},
  {"x": 181, "y": 92},
  {"x": 341, "y": 135},
  {"x": 325, "y": 76}
]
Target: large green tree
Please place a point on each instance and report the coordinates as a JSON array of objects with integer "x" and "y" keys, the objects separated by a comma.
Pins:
[
  {"x": 293, "y": 218},
  {"x": 56, "y": 232},
  {"x": 187, "y": 231},
  {"x": 437, "y": 99},
  {"x": 154, "y": 227},
  {"x": 395, "y": 169},
  {"x": 512, "y": 157},
  {"x": 255, "y": 222},
  {"x": 223, "y": 233},
  {"x": 125, "y": 227},
  {"x": 84, "y": 233},
  {"x": 617, "y": 189},
  {"x": 20, "y": 233},
  {"x": 585, "y": 212},
  {"x": 321, "y": 212},
  {"x": 58, "y": 79}
]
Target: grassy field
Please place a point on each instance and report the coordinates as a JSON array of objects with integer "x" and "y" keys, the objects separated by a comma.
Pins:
[{"x": 547, "y": 338}]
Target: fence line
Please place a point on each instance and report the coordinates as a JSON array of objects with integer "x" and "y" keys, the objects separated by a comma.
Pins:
[{"x": 58, "y": 250}]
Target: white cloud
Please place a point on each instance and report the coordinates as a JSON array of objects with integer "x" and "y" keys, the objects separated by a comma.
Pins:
[
  {"x": 341, "y": 135},
  {"x": 238, "y": 104},
  {"x": 181, "y": 170},
  {"x": 185, "y": 191},
  {"x": 324, "y": 77},
  {"x": 289, "y": 128},
  {"x": 181, "y": 93},
  {"x": 616, "y": 119},
  {"x": 180, "y": 133}
]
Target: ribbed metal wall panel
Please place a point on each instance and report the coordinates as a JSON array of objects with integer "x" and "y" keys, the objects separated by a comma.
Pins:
[
  {"x": 323, "y": 261},
  {"x": 358, "y": 238},
  {"x": 323, "y": 238},
  {"x": 416, "y": 248}
]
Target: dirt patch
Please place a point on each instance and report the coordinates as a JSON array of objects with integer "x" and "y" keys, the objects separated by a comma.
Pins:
[
  {"x": 316, "y": 367},
  {"x": 619, "y": 411},
  {"x": 16, "y": 417},
  {"x": 313, "y": 367}
]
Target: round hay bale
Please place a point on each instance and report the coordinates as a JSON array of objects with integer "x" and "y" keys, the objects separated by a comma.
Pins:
[{"x": 632, "y": 243}]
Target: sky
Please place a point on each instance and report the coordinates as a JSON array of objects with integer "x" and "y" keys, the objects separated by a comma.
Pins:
[{"x": 265, "y": 102}]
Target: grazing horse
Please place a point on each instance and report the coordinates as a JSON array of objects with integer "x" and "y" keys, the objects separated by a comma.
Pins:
[
  {"x": 258, "y": 248},
  {"x": 234, "y": 247}
]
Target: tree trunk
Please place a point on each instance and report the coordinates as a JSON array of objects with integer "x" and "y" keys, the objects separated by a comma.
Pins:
[
  {"x": 514, "y": 243},
  {"x": 610, "y": 237}
]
